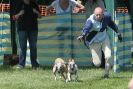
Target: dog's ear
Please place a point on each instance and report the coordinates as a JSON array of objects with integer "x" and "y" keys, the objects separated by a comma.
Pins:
[
  {"x": 73, "y": 60},
  {"x": 69, "y": 60}
]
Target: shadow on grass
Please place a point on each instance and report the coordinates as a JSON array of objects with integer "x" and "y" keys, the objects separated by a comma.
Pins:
[
  {"x": 6, "y": 68},
  {"x": 120, "y": 77},
  {"x": 76, "y": 81},
  {"x": 9, "y": 68},
  {"x": 80, "y": 67}
]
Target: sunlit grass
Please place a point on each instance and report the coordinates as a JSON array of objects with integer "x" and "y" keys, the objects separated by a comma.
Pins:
[{"x": 89, "y": 78}]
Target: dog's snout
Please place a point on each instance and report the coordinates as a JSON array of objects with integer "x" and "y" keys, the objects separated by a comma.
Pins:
[
  {"x": 72, "y": 69},
  {"x": 72, "y": 66}
]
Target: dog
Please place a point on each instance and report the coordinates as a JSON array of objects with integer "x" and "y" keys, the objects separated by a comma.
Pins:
[
  {"x": 72, "y": 69},
  {"x": 60, "y": 68}
]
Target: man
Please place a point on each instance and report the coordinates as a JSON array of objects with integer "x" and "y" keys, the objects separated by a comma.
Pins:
[
  {"x": 26, "y": 14},
  {"x": 95, "y": 26}
]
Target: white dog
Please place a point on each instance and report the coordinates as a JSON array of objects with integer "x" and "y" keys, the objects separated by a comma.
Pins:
[
  {"x": 60, "y": 67},
  {"x": 72, "y": 69}
]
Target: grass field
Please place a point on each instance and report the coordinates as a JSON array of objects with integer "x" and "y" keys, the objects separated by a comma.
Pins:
[{"x": 90, "y": 78}]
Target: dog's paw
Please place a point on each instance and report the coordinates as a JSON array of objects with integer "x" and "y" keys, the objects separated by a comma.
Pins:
[
  {"x": 76, "y": 80},
  {"x": 60, "y": 77},
  {"x": 67, "y": 80},
  {"x": 55, "y": 78}
]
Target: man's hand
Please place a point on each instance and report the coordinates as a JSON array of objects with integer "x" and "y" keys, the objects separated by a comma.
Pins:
[
  {"x": 80, "y": 38},
  {"x": 119, "y": 37},
  {"x": 35, "y": 11},
  {"x": 15, "y": 17},
  {"x": 21, "y": 12}
]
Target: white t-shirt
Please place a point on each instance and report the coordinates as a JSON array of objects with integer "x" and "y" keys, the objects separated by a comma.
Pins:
[{"x": 59, "y": 10}]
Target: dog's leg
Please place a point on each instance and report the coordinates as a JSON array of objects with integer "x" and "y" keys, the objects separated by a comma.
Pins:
[
  {"x": 63, "y": 76},
  {"x": 76, "y": 73},
  {"x": 54, "y": 72},
  {"x": 69, "y": 76},
  {"x": 76, "y": 76}
]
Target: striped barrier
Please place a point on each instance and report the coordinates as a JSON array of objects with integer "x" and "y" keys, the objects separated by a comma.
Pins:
[
  {"x": 57, "y": 38},
  {"x": 122, "y": 51},
  {"x": 5, "y": 35}
]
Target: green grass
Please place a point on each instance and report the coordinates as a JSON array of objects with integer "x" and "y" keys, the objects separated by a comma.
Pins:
[{"x": 90, "y": 78}]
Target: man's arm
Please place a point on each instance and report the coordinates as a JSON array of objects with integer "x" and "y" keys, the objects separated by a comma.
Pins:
[
  {"x": 51, "y": 7},
  {"x": 86, "y": 30},
  {"x": 48, "y": 10},
  {"x": 81, "y": 7},
  {"x": 113, "y": 25},
  {"x": 36, "y": 9},
  {"x": 19, "y": 10},
  {"x": 115, "y": 28},
  {"x": 87, "y": 27}
]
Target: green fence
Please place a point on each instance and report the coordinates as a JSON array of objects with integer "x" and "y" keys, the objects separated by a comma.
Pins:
[
  {"x": 57, "y": 38},
  {"x": 5, "y": 37},
  {"x": 122, "y": 51}
]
